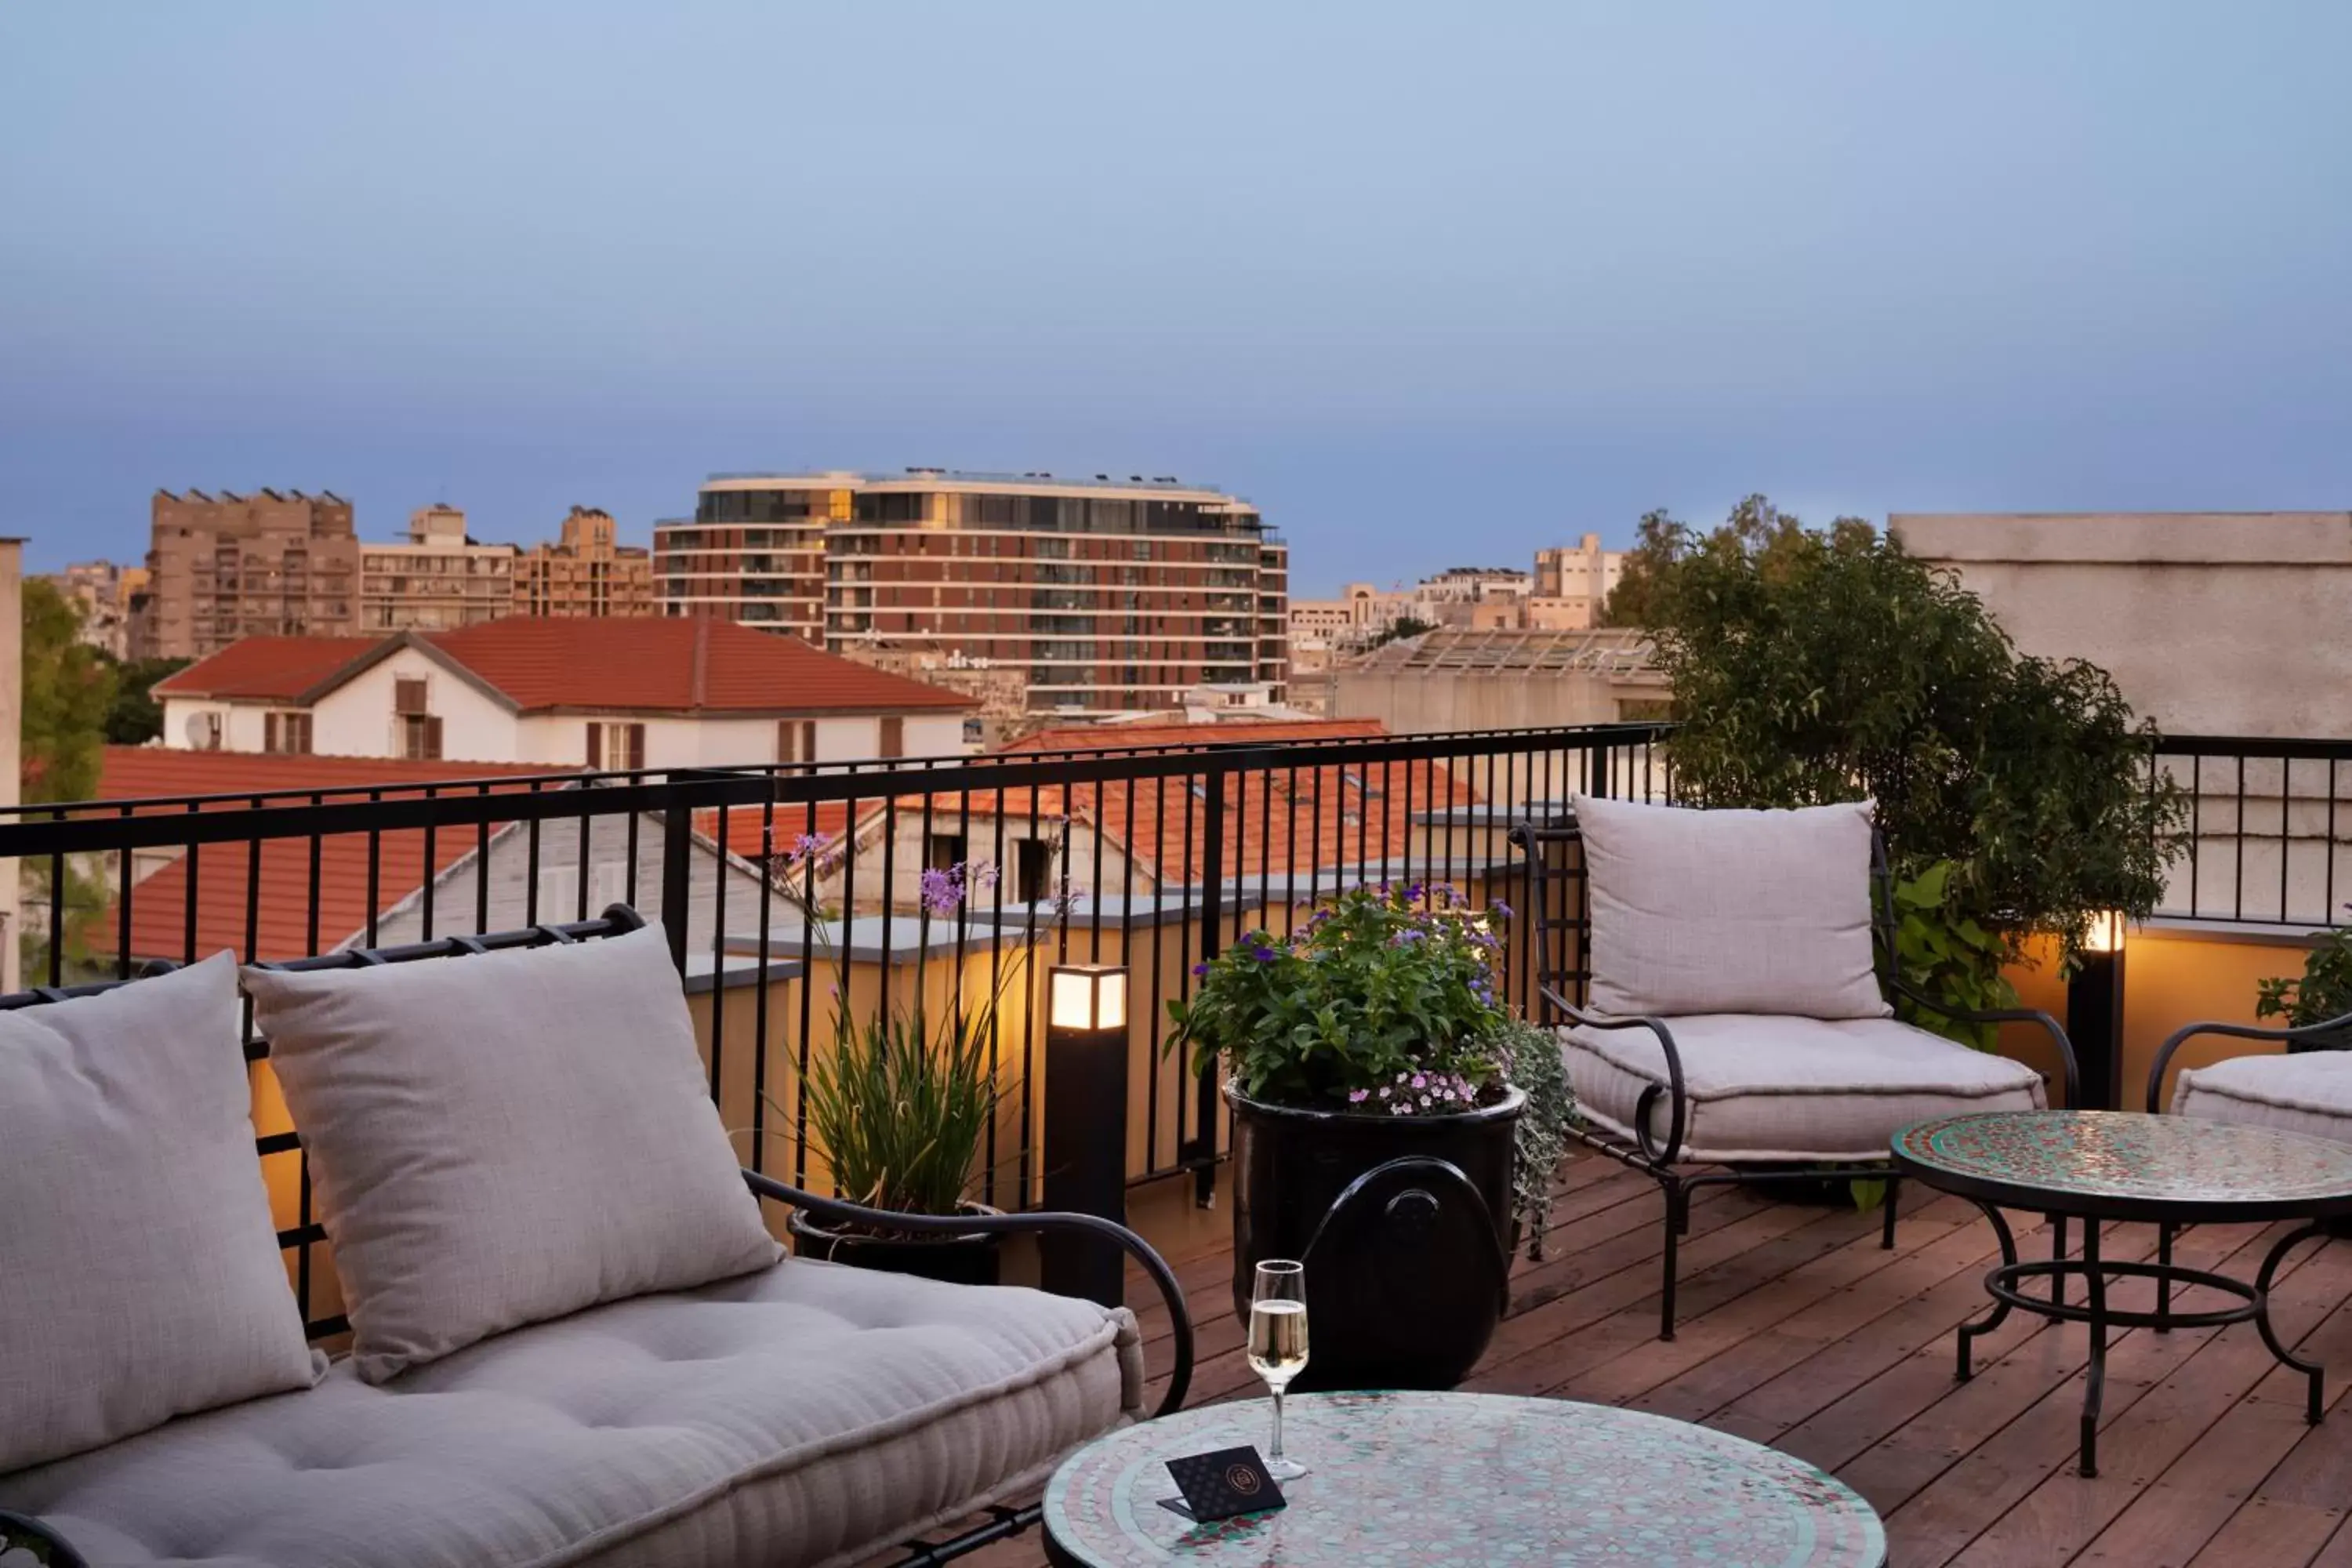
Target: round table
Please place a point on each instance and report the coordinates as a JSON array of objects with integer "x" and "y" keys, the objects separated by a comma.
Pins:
[
  {"x": 1466, "y": 1480},
  {"x": 2100, "y": 1165}
]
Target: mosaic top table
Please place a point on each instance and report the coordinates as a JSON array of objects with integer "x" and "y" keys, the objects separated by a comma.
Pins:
[
  {"x": 1466, "y": 1480},
  {"x": 2100, "y": 1165}
]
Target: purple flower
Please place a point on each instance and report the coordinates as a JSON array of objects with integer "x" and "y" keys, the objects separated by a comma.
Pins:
[
  {"x": 983, "y": 875},
  {"x": 942, "y": 890},
  {"x": 1263, "y": 953},
  {"x": 1200, "y": 969},
  {"x": 1358, "y": 1095},
  {"x": 1384, "y": 1091},
  {"x": 1413, "y": 892},
  {"x": 806, "y": 845},
  {"x": 1498, "y": 907},
  {"x": 1420, "y": 1080}
]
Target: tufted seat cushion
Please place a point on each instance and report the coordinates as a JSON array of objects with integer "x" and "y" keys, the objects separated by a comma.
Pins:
[
  {"x": 2310, "y": 1091},
  {"x": 805, "y": 1414},
  {"x": 1763, "y": 1087}
]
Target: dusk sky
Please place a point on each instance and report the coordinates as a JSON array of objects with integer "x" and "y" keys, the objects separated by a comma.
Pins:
[{"x": 1430, "y": 284}]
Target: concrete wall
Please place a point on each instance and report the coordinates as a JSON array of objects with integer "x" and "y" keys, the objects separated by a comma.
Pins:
[
  {"x": 1420, "y": 702},
  {"x": 2212, "y": 623}
]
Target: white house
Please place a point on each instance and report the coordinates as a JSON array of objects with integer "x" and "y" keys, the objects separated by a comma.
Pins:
[{"x": 596, "y": 693}]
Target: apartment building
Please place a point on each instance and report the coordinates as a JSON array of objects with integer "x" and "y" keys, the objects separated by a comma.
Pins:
[
  {"x": 439, "y": 578},
  {"x": 1110, "y": 595},
  {"x": 586, "y": 573},
  {"x": 104, "y": 592},
  {"x": 229, "y": 566},
  {"x": 1572, "y": 583},
  {"x": 562, "y": 692}
]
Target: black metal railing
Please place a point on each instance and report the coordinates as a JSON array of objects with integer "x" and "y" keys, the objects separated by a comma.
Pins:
[
  {"x": 776, "y": 882},
  {"x": 2268, "y": 834}
]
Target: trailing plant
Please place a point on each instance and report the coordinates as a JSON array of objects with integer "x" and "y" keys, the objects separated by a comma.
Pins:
[
  {"x": 1384, "y": 1002},
  {"x": 1813, "y": 666},
  {"x": 1950, "y": 956},
  {"x": 1531, "y": 1062},
  {"x": 2321, "y": 994}
]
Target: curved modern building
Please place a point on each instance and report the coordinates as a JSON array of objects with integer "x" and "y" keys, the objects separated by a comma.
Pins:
[{"x": 1112, "y": 595}]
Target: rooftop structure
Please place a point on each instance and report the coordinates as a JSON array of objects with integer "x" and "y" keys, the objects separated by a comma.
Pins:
[{"x": 1446, "y": 678}]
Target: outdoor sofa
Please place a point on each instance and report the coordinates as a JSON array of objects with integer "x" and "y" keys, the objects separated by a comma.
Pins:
[{"x": 784, "y": 1412}]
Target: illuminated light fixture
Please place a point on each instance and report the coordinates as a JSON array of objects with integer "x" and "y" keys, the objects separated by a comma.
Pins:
[
  {"x": 1085, "y": 1142},
  {"x": 2106, "y": 932},
  {"x": 2095, "y": 1012}
]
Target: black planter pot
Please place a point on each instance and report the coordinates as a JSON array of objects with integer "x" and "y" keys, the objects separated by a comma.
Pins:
[
  {"x": 1404, "y": 1224},
  {"x": 2332, "y": 1040},
  {"x": 954, "y": 1260}
]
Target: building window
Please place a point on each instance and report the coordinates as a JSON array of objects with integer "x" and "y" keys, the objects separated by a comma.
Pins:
[
  {"x": 894, "y": 738},
  {"x": 945, "y": 851},
  {"x": 617, "y": 748},
  {"x": 1034, "y": 863},
  {"x": 286, "y": 733},
  {"x": 408, "y": 696},
  {"x": 787, "y": 735},
  {"x": 420, "y": 737}
]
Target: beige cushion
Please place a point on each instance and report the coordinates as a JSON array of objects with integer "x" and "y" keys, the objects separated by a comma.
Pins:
[
  {"x": 1729, "y": 911},
  {"x": 139, "y": 1271},
  {"x": 807, "y": 1413},
  {"x": 1765, "y": 1088},
  {"x": 504, "y": 1138},
  {"x": 2310, "y": 1091}
]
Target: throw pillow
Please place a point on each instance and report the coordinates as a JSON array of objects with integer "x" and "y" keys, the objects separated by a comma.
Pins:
[
  {"x": 1729, "y": 911},
  {"x": 140, "y": 1272},
  {"x": 502, "y": 1138}
]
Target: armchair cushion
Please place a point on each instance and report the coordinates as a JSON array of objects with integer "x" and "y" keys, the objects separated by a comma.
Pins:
[
  {"x": 2310, "y": 1091},
  {"x": 1729, "y": 911},
  {"x": 805, "y": 1414},
  {"x": 139, "y": 1271},
  {"x": 505, "y": 1140},
  {"x": 1761, "y": 1087}
]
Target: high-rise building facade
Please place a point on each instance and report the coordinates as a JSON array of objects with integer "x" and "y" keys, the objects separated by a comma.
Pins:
[
  {"x": 228, "y": 566},
  {"x": 438, "y": 579},
  {"x": 1112, "y": 595},
  {"x": 586, "y": 574}
]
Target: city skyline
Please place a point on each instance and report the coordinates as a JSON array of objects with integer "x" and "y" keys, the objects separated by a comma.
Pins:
[{"x": 1423, "y": 292}]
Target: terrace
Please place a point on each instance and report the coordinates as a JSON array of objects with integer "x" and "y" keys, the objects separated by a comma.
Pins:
[{"x": 1797, "y": 1330}]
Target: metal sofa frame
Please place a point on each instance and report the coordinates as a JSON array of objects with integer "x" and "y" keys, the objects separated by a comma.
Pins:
[
  {"x": 1662, "y": 1160},
  {"x": 999, "y": 1522}
]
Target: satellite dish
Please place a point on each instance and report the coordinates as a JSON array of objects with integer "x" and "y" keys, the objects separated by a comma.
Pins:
[{"x": 204, "y": 732}]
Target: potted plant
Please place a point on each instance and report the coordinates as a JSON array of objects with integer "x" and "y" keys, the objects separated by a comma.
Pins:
[
  {"x": 901, "y": 1108},
  {"x": 1372, "y": 1037},
  {"x": 2322, "y": 993}
]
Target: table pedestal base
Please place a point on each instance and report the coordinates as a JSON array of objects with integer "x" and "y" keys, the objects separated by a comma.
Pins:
[{"x": 2006, "y": 1285}]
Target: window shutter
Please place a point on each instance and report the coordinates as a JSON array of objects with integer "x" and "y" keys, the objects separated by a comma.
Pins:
[
  {"x": 596, "y": 745},
  {"x": 433, "y": 738},
  {"x": 636, "y": 746},
  {"x": 784, "y": 740},
  {"x": 894, "y": 737},
  {"x": 408, "y": 696},
  {"x": 808, "y": 740},
  {"x": 269, "y": 731}
]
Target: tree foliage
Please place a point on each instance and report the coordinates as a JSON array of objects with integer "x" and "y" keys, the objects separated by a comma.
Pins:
[
  {"x": 1818, "y": 664},
  {"x": 1399, "y": 629},
  {"x": 135, "y": 717},
  {"x": 68, "y": 688}
]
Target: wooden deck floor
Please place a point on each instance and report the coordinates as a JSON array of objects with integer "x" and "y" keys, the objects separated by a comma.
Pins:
[{"x": 1798, "y": 1330}]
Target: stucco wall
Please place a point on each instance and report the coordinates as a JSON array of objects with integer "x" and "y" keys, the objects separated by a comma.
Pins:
[{"x": 2212, "y": 623}]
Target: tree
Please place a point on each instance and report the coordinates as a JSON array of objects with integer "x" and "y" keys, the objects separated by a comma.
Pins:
[
  {"x": 135, "y": 717},
  {"x": 68, "y": 690},
  {"x": 1815, "y": 666},
  {"x": 1399, "y": 629}
]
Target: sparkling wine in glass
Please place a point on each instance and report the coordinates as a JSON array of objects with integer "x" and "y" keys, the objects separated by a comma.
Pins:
[{"x": 1277, "y": 1344}]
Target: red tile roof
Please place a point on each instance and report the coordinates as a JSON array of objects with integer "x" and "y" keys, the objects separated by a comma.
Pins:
[
  {"x": 282, "y": 907},
  {"x": 676, "y": 664},
  {"x": 1341, "y": 815},
  {"x": 282, "y": 668},
  {"x": 747, "y": 829}
]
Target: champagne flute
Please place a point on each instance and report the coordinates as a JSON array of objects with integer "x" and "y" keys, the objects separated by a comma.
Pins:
[{"x": 1277, "y": 1344}]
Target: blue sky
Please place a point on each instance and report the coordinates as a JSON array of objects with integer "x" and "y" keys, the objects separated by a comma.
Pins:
[{"x": 1430, "y": 284}]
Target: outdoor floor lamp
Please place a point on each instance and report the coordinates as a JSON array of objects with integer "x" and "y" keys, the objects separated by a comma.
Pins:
[{"x": 1086, "y": 1126}]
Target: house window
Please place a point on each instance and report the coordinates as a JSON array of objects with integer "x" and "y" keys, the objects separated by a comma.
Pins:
[
  {"x": 420, "y": 737},
  {"x": 894, "y": 738},
  {"x": 617, "y": 748},
  {"x": 408, "y": 696},
  {"x": 787, "y": 733},
  {"x": 1032, "y": 871},
  {"x": 204, "y": 731},
  {"x": 286, "y": 733},
  {"x": 945, "y": 851}
]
